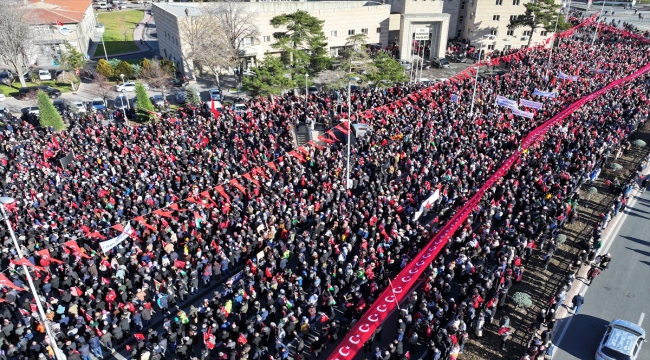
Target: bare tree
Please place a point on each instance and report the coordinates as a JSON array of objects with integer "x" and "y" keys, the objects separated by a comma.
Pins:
[
  {"x": 157, "y": 76},
  {"x": 215, "y": 55},
  {"x": 193, "y": 31},
  {"x": 16, "y": 41},
  {"x": 103, "y": 87},
  {"x": 236, "y": 22}
]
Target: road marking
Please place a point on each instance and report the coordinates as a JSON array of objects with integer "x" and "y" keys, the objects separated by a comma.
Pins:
[
  {"x": 584, "y": 287},
  {"x": 641, "y": 319}
]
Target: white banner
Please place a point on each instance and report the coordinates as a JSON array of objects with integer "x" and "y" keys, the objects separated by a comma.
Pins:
[
  {"x": 564, "y": 76},
  {"x": 505, "y": 102},
  {"x": 525, "y": 114},
  {"x": 427, "y": 203},
  {"x": 531, "y": 104},
  {"x": 547, "y": 94},
  {"x": 109, "y": 244}
]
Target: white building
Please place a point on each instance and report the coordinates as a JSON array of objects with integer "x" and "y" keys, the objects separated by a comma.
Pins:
[
  {"x": 476, "y": 18},
  {"x": 77, "y": 24},
  {"x": 383, "y": 23}
]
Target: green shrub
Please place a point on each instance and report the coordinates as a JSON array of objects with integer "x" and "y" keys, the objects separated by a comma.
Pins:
[{"x": 48, "y": 116}]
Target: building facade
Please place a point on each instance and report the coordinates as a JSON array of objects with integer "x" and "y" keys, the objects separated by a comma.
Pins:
[
  {"x": 383, "y": 23},
  {"x": 56, "y": 22},
  {"x": 478, "y": 18}
]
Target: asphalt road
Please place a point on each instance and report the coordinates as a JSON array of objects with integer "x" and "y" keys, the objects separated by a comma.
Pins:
[{"x": 620, "y": 292}]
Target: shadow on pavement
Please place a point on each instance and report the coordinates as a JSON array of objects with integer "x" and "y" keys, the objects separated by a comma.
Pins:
[
  {"x": 638, "y": 241},
  {"x": 646, "y": 253},
  {"x": 582, "y": 337}
]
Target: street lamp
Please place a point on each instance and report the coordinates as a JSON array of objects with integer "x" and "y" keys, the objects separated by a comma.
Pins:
[
  {"x": 57, "y": 352},
  {"x": 471, "y": 109},
  {"x": 102, "y": 35},
  {"x": 306, "y": 92},
  {"x": 348, "y": 182},
  {"x": 124, "y": 98},
  {"x": 550, "y": 53},
  {"x": 602, "y": 11}
]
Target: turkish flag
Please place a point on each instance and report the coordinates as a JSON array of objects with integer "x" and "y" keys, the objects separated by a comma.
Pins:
[
  {"x": 74, "y": 247},
  {"x": 58, "y": 23},
  {"x": 242, "y": 339},
  {"x": 139, "y": 337},
  {"x": 45, "y": 257},
  {"x": 268, "y": 273},
  {"x": 4, "y": 281},
  {"x": 179, "y": 264},
  {"x": 25, "y": 262}
]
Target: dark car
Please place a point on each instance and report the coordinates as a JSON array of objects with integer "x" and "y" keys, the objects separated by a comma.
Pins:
[
  {"x": 440, "y": 63},
  {"x": 458, "y": 58},
  {"x": 28, "y": 92},
  {"x": 6, "y": 77},
  {"x": 179, "y": 82},
  {"x": 181, "y": 97}
]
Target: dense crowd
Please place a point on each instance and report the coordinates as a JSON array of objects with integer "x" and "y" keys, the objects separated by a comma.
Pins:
[{"x": 209, "y": 195}]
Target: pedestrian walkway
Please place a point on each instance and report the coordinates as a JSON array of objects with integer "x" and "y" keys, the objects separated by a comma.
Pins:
[{"x": 139, "y": 32}]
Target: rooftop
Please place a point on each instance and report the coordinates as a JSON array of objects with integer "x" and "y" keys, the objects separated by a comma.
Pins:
[{"x": 51, "y": 11}]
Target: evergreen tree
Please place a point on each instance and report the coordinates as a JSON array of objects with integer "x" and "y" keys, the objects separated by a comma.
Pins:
[
  {"x": 104, "y": 69},
  {"x": 271, "y": 78},
  {"x": 48, "y": 116},
  {"x": 539, "y": 14},
  {"x": 72, "y": 59},
  {"x": 142, "y": 102},
  {"x": 124, "y": 68},
  {"x": 388, "y": 69},
  {"x": 192, "y": 95},
  {"x": 302, "y": 43},
  {"x": 145, "y": 64}
]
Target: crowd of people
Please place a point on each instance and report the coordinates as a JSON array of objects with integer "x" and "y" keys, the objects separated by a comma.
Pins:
[{"x": 229, "y": 199}]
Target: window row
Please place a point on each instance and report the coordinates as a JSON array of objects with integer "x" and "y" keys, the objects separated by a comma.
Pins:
[{"x": 514, "y": 2}]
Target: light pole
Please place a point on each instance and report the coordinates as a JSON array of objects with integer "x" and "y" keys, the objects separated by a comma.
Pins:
[
  {"x": 348, "y": 185},
  {"x": 57, "y": 352},
  {"x": 550, "y": 53},
  {"x": 602, "y": 11},
  {"x": 127, "y": 101},
  {"x": 471, "y": 108},
  {"x": 306, "y": 92},
  {"x": 102, "y": 34}
]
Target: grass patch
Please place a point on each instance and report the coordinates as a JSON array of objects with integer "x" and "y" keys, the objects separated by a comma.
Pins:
[{"x": 118, "y": 33}]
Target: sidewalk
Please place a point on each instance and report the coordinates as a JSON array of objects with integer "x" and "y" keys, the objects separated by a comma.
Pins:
[{"x": 139, "y": 37}]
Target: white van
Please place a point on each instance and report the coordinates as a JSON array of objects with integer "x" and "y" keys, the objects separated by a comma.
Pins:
[
  {"x": 102, "y": 5},
  {"x": 239, "y": 108}
]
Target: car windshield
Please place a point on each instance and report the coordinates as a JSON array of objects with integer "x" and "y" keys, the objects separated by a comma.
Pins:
[
  {"x": 444, "y": 61},
  {"x": 98, "y": 102},
  {"x": 614, "y": 354}
]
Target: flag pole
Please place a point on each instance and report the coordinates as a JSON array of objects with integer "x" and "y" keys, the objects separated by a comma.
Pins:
[{"x": 393, "y": 290}]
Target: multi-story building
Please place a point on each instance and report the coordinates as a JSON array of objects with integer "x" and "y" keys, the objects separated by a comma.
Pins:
[
  {"x": 477, "y": 18},
  {"x": 383, "y": 23},
  {"x": 56, "y": 22}
]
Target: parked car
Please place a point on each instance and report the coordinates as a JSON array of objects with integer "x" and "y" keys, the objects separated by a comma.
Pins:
[
  {"x": 406, "y": 64},
  {"x": 98, "y": 104},
  {"x": 218, "y": 105},
  {"x": 622, "y": 340},
  {"x": 44, "y": 75},
  {"x": 179, "y": 82},
  {"x": 313, "y": 90},
  {"x": 215, "y": 94},
  {"x": 425, "y": 81},
  {"x": 31, "y": 110},
  {"x": 6, "y": 77},
  {"x": 124, "y": 87},
  {"x": 158, "y": 100},
  {"x": 239, "y": 108},
  {"x": 122, "y": 102},
  {"x": 25, "y": 92},
  {"x": 440, "y": 63},
  {"x": 458, "y": 58},
  {"x": 180, "y": 97},
  {"x": 102, "y": 5},
  {"x": 77, "y": 106}
]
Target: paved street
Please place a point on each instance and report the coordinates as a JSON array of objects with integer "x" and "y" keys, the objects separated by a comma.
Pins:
[{"x": 620, "y": 292}]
